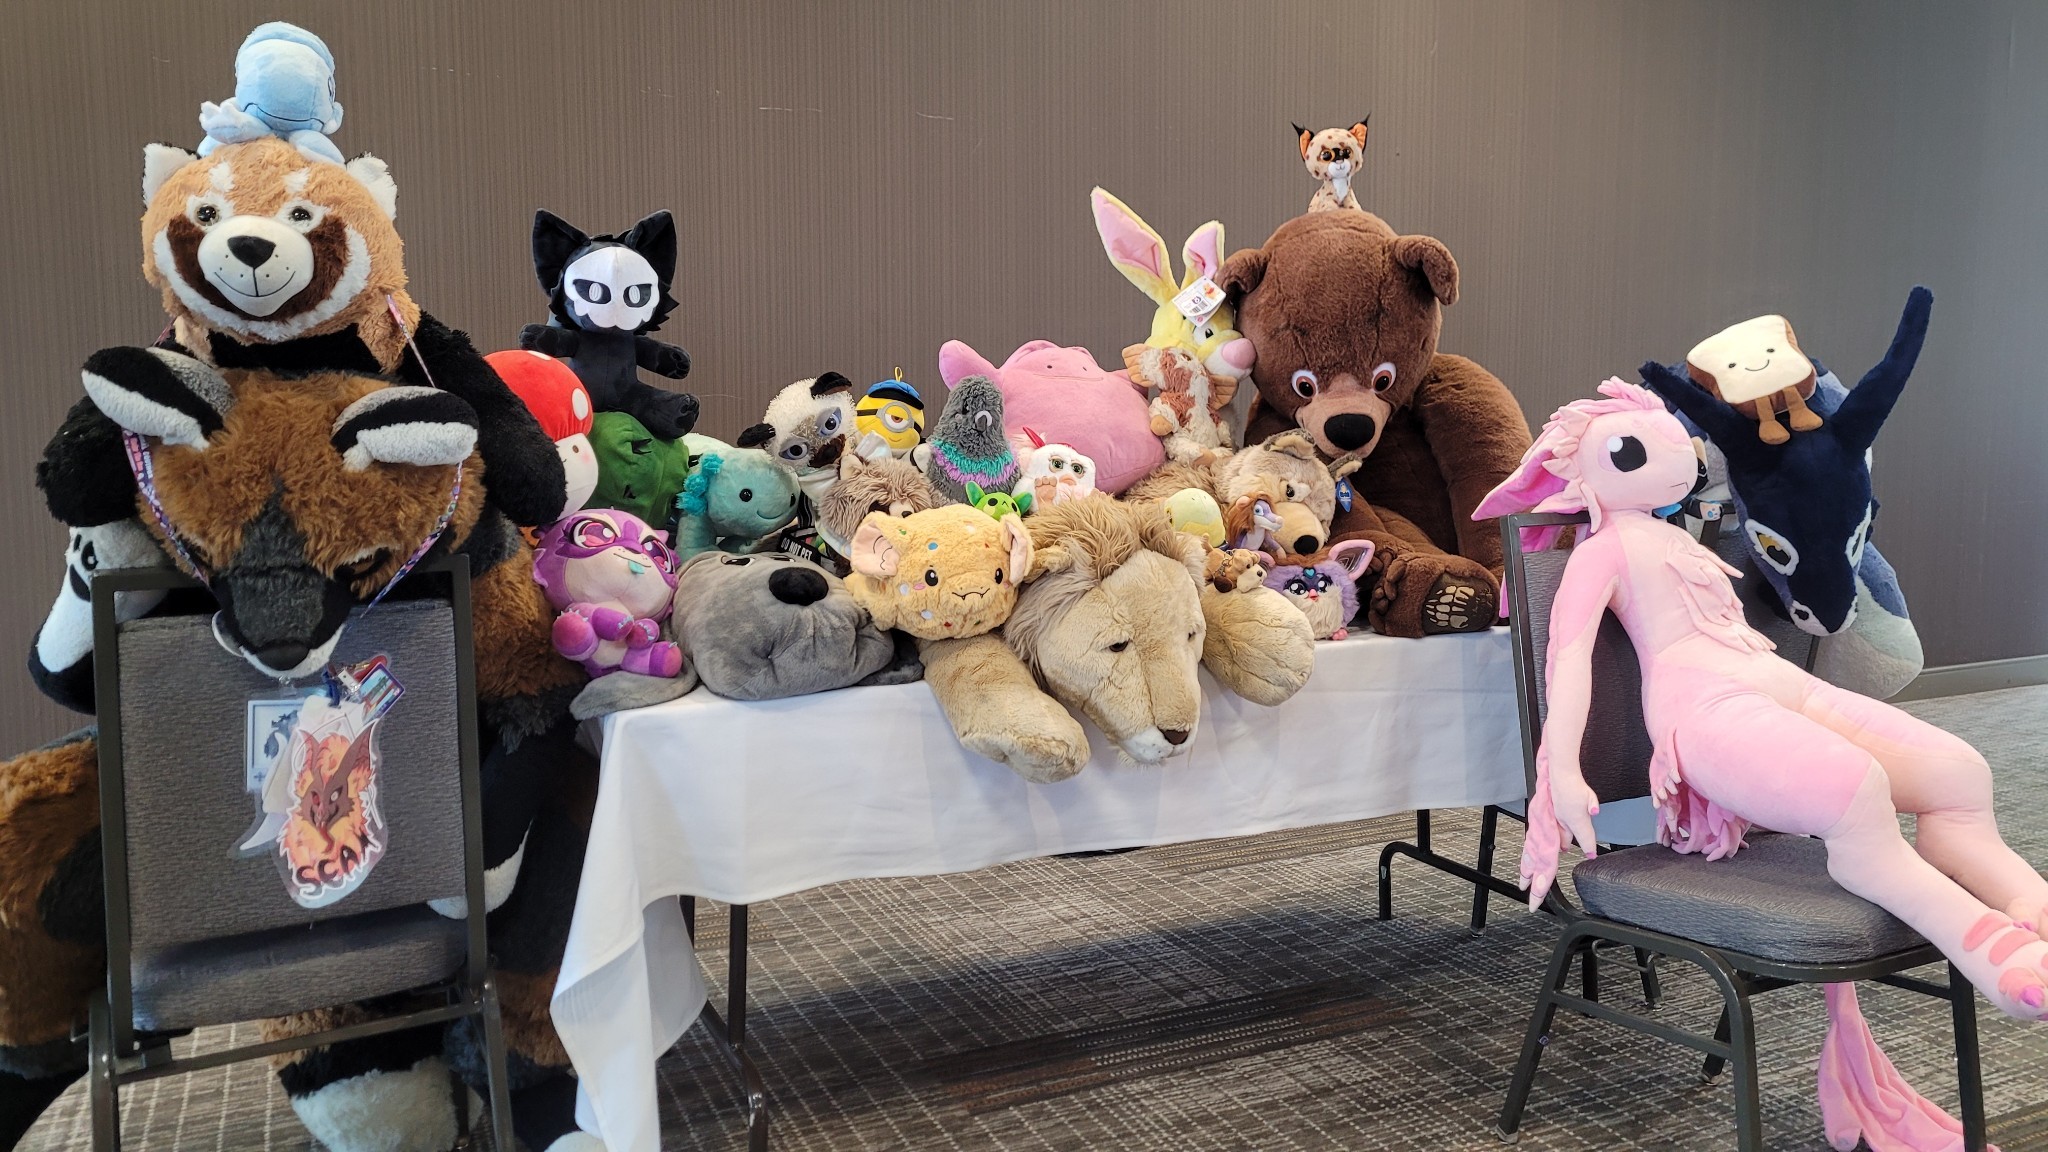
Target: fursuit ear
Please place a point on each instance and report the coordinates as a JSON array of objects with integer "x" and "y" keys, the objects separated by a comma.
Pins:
[
  {"x": 1242, "y": 273},
  {"x": 1360, "y": 552},
  {"x": 375, "y": 175},
  {"x": 159, "y": 163},
  {"x": 829, "y": 383},
  {"x": 1017, "y": 539},
  {"x": 755, "y": 436},
  {"x": 555, "y": 241},
  {"x": 655, "y": 239},
  {"x": 1426, "y": 256},
  {"x": 1731, "y": 431},
  {"x": 1866, "y": 407},
  {"x": 1301, "y": 137},
  {"x": 957, "y": 361},
  {"x": 873, "y": 548},
  {"x": 405, "y": 425},
  {"x": 1359, "y": 129},
  {"x": 153, "y": 392}
]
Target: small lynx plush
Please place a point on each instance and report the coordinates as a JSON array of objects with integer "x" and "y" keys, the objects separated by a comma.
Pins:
[{"x": 1333, "y": 156}]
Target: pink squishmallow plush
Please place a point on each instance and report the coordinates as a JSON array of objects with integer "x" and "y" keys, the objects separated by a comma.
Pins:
[
  {"x": 1066, "y": 397},
  {"x": 613, "y": 579}
]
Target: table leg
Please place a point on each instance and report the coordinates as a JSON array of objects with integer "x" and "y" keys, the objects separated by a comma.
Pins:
[{"x": 731, "y": 1033}]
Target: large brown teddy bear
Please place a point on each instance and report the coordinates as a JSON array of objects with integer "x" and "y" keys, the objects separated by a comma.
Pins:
[{"x": 1344, "y": 314}]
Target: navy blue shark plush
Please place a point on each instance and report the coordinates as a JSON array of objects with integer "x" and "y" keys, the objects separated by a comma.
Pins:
[{"x": 1805, "y": 504}]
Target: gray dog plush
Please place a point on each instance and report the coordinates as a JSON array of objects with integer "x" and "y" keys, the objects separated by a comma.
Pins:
[{"x": 770, "y": 625}]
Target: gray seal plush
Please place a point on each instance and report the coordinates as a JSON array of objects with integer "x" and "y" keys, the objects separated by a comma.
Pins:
[{"x": 771, "y": 625}]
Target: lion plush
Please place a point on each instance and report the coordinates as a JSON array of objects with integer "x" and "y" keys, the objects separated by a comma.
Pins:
[{"x": 1345, "y": 314}]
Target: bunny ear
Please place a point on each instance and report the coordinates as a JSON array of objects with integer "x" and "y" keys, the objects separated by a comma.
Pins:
[
  {"x": 1133, "y": 247},
  {"x": 1202, "y": 255},
  {"x": 957, "y": 362}
]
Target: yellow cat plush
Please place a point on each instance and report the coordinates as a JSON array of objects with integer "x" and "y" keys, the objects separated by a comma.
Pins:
[{"x": 939, "y": 574}]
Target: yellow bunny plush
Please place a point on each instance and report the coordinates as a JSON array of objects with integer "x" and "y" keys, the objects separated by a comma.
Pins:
[
  {"x": 1194, "y": 357},
  {"x": 940, "y": 574}
]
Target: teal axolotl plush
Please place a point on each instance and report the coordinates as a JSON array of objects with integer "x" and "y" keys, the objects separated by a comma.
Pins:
[
  {"x": 284, "y": 87},
  {"x": 734, "y": 499}
]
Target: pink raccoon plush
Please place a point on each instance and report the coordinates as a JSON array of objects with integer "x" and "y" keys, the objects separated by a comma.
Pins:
[
  {"x": 1727, "y": 718},
  {"x": 613, "y": 579}
]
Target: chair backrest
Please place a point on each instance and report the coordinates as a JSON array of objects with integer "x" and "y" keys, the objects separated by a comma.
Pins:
[
  {"x": 174, "y": 730},
  {"x": 1615, "y": 754}
]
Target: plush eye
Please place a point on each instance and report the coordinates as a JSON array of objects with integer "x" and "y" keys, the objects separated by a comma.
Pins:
[
  {"x": 736, "y": 561},
  {"x": 1119, "y": 645},
  {"x": 658, "y": 552},
  {"x": 300, "y": 214},
  {"x": 796, "y": 451},
  {"x": 1731, "y": 363},
  {"x": 1296, "y": 586},
  {"x": 1383, "y": 377},
  {"x": 931, "y": 577},
  {"x": 1206, "y": 332},
  {"x": 746, "y": 495},
  {"x": 594, "y": 291},
  {"x": 1288, "y": 490},
  {"x": 1079, "y": 469},
  {"x": 828, "y": 423},
  {"x": 1191, "y": 635},
  {"x": 1057, "y": 463},
  {"x": 591, "y": 532},
  {"x": 895, "y": 419},
  {"x": 984, "y": 419},
  {"x": 641, "y": 447},
  {"x": 881, "y": 506},
  {"x": 1304, "y": 384},
  {"x": 1770, "y": 350},
  {"x": 207, "y": 215},
  {"x": 1771, "y": 546},
  {"x": 999, "y": 575},
  {"x": 1627, "y": 453},
  {"x": 637, "y": 295}
]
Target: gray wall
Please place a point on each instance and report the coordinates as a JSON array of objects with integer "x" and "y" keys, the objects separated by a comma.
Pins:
[{"x": 859, "y": 182}]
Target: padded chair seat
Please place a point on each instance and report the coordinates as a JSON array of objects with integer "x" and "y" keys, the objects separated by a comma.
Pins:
[
  {"x": 1773, "y": 900},
  {"x": 286, "y": 970}
]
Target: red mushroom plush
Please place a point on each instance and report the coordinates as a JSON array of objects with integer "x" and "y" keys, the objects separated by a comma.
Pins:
[{"x": 557, "y": 399}]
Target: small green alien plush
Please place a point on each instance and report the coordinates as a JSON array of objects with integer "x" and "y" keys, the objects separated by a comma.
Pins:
[{"x": 998, "y": 504}]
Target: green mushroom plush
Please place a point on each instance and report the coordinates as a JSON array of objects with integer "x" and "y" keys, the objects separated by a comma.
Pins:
[
  {"x": 734, "y": 499},
  {"x": 637, "y": 472}
]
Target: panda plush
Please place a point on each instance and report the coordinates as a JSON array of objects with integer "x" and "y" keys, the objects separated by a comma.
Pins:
[
  {"x": 605, "y": 294},
  {"x": 806, "y": 428}
]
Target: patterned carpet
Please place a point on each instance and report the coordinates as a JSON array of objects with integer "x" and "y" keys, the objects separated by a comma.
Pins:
[{"x": 1222, "y": 995}]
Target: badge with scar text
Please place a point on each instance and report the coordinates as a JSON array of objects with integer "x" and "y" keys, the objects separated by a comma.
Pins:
[{"x": 318, "y": 812}]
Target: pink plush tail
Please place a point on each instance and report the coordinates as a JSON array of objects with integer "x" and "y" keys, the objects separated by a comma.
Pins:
[{"x": 1863, "y": 1097}]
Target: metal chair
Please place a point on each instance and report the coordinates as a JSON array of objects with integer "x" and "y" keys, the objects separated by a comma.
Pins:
[
  {"x": 1767, "y": 918},
  {"x": 197, "y": 937}
]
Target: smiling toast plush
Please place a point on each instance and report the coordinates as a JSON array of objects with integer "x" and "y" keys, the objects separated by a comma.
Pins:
[{"x": 940, "y": 574}]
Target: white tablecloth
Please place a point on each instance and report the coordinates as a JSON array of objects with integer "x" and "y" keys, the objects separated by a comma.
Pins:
[{"x": 744, "y": 802}]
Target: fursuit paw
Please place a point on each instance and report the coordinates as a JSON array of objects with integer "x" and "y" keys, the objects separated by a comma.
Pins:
[
  {"x": 2008, "y": 964},
  {"x": 574, "y": 636},
  {"x": 1459, "y": 604}
]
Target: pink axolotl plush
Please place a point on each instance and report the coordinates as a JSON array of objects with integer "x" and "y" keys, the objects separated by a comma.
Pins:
[
  {"x": 1064, "y": 395},
  {"x": 1742, "y": 736},
  {"x": 613, "y": 579}
]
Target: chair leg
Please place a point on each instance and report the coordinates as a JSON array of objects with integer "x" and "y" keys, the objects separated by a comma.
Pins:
[
  {"x": 500, "y": 1081},
  {"x": 1962, "y": 998},
  {"x": 103, "y": 1094},
  {"x": 1712, "y": 1065},
  {"x": 1387, "y": 855},
  {"x": 1589, "y": 973},
  {"x": 1538, "y": 1036},
  {"x": 1749, "y": 1114},
  {"x": 1489, "y": 827},
  {"x": 1653, "y": 985},
  {"x": 459, "y": 1093}
]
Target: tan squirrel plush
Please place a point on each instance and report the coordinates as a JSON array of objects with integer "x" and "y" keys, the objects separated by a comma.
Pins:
[
  {"x": 1333, "y": 156},
  {"x": 1757, "y": 368}
]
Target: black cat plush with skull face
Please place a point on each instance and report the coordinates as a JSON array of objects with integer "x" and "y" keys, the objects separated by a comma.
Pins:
[{"x": 606, "y": 293}]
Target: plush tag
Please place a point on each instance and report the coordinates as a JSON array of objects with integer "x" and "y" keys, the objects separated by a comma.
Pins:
[
  {"x": 1344, "y": 494},
  {"x": 1199, "y": 300}
]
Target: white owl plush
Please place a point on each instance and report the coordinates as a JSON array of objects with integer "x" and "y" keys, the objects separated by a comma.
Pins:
[{"x": 1051, "y": 472}]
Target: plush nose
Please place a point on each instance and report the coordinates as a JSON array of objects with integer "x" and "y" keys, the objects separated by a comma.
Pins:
[
  {"x": 1238, "y": 354},
  {"x": 1305, "y": 544},
  {"x": 251, "y": 250},
  {"x": 798, "y": 586},
  {"x": 1349, "y": 430},
  {"x": 1175, "y": 736},
  {"x": 281, "y": 656}
]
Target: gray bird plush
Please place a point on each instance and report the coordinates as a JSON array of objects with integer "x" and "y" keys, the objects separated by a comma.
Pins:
[
  {"x": 770, "y": 625},
  {"x": 967, "y": 445}
]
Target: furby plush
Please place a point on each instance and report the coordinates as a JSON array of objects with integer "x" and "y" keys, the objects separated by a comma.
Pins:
[
  {"x": 613, "y": 579},
  {"x": 1051, "y": 473},
  {"x": 1324, "y": 587},
  {"x": 557, "y": 398},
  {"x": 284, "y": 87},
  {"x": 606, "y": 293},
  {"x": 968, "y": 443},
  {"x": 1726, "y": 717}
]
